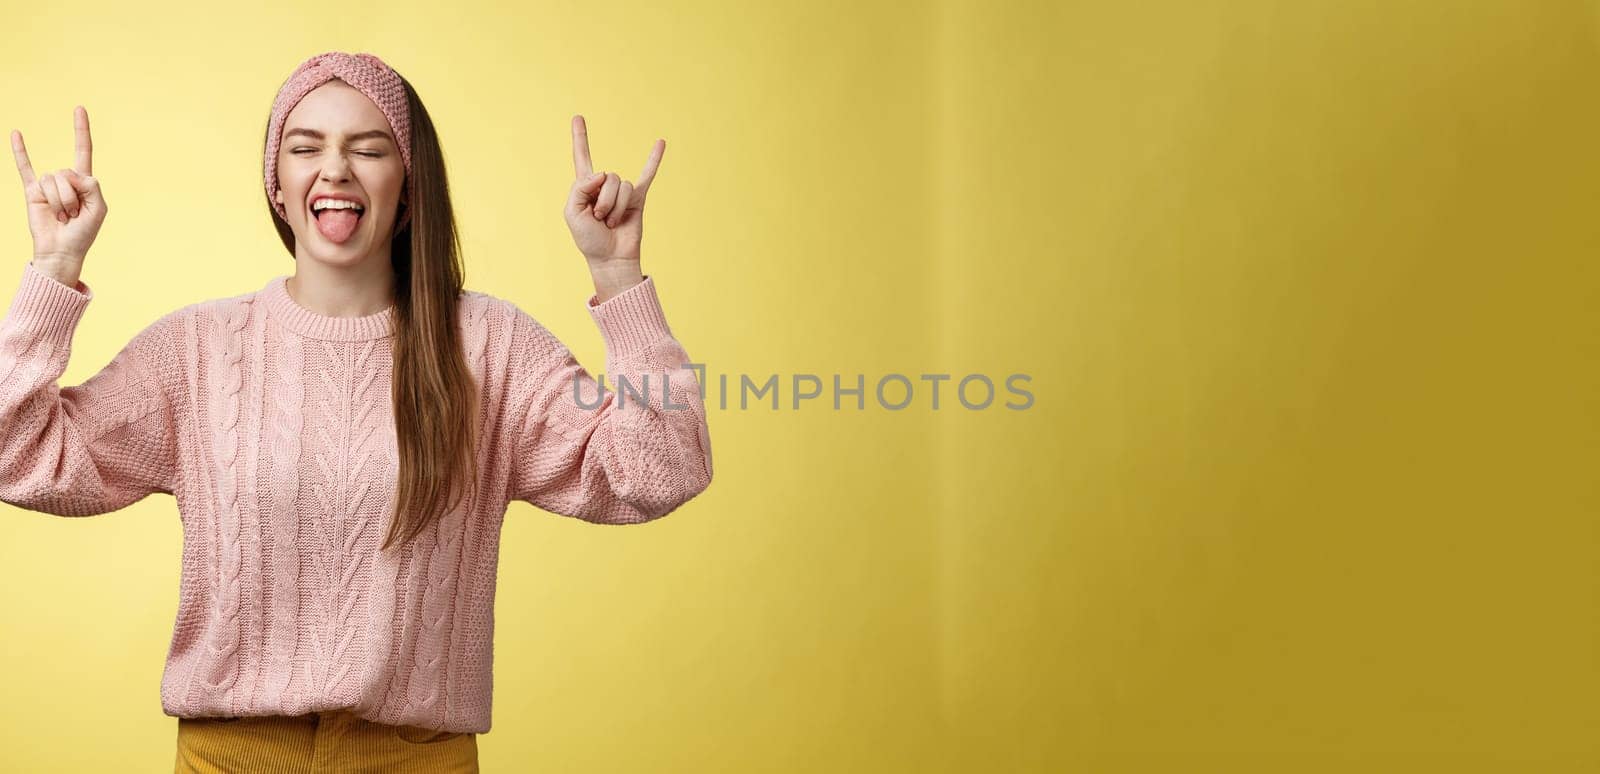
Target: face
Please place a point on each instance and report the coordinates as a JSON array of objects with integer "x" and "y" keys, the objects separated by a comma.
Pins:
[{"x": 336, "y": 141}]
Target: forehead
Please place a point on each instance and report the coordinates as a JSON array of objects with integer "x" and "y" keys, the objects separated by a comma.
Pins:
[{"x": 336, "y": 107}]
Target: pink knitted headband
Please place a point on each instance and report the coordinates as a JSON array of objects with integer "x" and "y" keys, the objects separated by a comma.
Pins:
[{"x": 366, "y": 72}]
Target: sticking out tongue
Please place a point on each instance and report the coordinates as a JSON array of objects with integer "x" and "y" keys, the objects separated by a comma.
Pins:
[{"x": 337, "y": 225}]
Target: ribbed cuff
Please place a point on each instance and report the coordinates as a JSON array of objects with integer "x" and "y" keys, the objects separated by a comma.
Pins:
[
  {"x": 630, "y": 320},
  {"x": 47, "y": 306}
]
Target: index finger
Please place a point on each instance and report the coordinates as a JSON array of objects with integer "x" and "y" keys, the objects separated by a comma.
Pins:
[
  {"x": 580, "y": 148},
  {"x": 20, "y": 151},
  {"x": 84, "y": 145}
]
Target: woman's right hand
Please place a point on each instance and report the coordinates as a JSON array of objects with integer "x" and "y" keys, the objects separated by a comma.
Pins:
[{"x": 65, "y": 208}]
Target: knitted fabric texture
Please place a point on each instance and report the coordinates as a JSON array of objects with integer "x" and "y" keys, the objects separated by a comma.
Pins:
[
  {"x": 367, "y": 73},
  {"x": 272, "y": 427}
]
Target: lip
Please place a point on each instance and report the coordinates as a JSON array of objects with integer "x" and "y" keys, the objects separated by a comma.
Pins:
[
  {"x": 312, "y": 202},
  {"x": 311, "y": 213}
]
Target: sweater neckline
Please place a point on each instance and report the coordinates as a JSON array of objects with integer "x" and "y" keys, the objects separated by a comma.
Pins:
[{"x": 290, "y": 314}]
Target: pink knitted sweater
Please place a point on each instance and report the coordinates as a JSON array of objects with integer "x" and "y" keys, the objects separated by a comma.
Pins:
[{"x": 272, "y": 427}]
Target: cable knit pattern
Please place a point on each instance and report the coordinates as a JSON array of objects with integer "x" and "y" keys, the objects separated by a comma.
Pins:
[
  {"x": 227, "y": 353},
  {"x": 438, "y": 600},
  {"x": 286, "y": 402},
  {"x": 342, "y": 456},
  {"x": 273, "y": 428}
]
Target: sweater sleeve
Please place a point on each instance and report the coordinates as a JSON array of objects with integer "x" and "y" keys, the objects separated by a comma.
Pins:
[
  {"x": 86, "y": 449},
  {"x": 628, "y": 451}
]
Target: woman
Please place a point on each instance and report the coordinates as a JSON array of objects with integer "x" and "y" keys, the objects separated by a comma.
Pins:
[{"x": 337, "y": 595}]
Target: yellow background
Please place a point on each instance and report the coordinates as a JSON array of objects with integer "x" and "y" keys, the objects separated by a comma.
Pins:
[{"x": 1306, "y": 291}]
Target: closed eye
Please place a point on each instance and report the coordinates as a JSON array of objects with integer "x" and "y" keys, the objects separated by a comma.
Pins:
[{"x": 368, "y": 154}]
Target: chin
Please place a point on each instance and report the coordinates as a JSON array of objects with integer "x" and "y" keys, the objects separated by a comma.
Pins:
[{"x": 338, "y": 258}]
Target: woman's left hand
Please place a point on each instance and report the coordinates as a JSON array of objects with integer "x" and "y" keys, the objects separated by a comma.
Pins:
[{"x": 604, "y": 212}]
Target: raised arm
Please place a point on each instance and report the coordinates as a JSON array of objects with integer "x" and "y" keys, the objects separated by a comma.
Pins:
[
  {"x": 615, "y": 459},
  {"x": 90, "y": 448}
]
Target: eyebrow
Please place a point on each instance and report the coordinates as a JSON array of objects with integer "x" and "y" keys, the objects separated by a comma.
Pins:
[{"x": 316, "y": 135}]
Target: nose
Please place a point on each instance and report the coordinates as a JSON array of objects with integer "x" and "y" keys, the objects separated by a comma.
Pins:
[{"x": 336, "y": 168}]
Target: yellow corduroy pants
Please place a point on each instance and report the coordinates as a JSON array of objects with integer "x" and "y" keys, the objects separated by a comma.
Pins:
[{"x": 320, "y": 743}]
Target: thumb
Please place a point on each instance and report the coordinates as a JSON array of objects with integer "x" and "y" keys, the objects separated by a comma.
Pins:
[
  {"x": 87, "y": 186},
  {"x": 585, "y": 189}
]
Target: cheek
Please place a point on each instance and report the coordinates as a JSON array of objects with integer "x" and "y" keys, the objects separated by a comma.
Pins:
[
  {"x": 290, "y": 179},
  {"x": 390, "y": 194}
]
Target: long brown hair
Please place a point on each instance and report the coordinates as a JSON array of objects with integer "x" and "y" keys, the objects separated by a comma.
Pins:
[{"x": 435, "y": 396}]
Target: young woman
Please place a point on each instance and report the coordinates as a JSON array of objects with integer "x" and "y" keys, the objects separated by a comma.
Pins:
[{"x": 343, "y": 443}]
